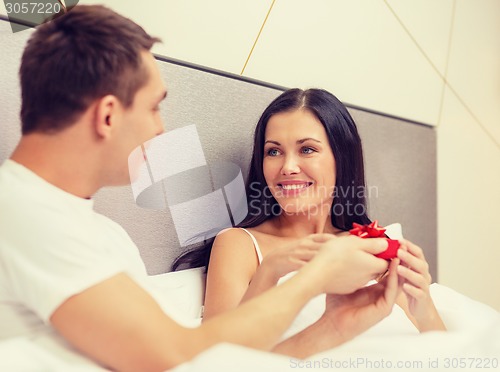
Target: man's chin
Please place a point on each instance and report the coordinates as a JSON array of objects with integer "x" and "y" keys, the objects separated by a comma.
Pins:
[{"x": 124, "y": 180}]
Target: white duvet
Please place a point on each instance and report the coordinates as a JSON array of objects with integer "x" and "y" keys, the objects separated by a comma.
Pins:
[{"x": 472, "y": 341}]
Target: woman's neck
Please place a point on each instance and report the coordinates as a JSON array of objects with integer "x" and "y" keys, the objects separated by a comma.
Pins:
[{"x": 303, "y": 224}]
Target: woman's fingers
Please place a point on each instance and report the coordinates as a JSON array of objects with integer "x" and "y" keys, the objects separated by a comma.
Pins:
[
  {"x": 414, "y": 249},
  {"x": 413, "y": 277},
  {"x": 417, "y": 264},
  {"x": 303, "y": 255},
  {"x": 413, "y": 291},
  {"x": 321, "y": 238}
]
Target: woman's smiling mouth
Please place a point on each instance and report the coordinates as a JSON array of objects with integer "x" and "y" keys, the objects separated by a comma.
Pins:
[{"x": 292, "y": 188}]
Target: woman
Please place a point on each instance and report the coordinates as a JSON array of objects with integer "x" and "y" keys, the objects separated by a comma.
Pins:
[{"x": 306, "y": 176}]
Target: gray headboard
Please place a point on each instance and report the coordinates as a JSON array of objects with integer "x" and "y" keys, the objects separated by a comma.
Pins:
[{"x": 400, "y": 155}]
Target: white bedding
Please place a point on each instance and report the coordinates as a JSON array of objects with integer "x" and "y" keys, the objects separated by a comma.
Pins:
[{"x": 472, "y": 342}]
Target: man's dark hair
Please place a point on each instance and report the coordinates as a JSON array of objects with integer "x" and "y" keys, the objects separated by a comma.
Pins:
[{"x": 75, "y": 59}]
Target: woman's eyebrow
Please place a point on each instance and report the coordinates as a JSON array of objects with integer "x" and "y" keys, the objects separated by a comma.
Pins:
[{"x": 300, "y": 141}]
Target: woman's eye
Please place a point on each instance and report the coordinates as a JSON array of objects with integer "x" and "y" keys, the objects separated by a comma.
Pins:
[
  {"x": 273, "y": 152},
  {"x": 307, "y": 150}
]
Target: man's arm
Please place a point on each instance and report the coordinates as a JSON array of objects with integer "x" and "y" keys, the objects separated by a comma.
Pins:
[
  {"x": 345, "y": 317},
  {"x": 119, "y": 325}
]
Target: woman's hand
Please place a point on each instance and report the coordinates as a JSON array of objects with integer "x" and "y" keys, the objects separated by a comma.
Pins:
[
  {"x": 285, "y": 259},
  {"x": 414, "y": 269}
]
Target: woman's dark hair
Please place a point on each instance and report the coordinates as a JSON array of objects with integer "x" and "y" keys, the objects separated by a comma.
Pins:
[{"x": 349, "y": 203}]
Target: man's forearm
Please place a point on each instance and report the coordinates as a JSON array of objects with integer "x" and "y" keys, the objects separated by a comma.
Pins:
[
  {"x": 262, "y": 320},
  {"x": 261, "y": 282},
  {"x": 317, "y": 337}
]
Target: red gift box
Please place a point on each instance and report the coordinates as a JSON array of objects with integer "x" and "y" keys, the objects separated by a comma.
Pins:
[{"x": 373, "y": 230}]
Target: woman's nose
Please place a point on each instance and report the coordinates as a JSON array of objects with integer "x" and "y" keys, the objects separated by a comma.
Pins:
[{"x": 290, "y": 166}]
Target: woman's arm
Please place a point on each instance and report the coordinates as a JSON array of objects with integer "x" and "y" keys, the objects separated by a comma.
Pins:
[
  {"x": 233, "y": 256},
  {"x": 233, "y": 262}
]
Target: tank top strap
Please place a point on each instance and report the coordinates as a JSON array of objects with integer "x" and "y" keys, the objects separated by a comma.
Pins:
[{"x": 256, "y": 245}]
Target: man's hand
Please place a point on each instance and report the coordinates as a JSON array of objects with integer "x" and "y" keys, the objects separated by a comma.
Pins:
[
  {"x": 351, "y": 314},
  {"x": 345, "y": 264},
  {"x": 345, "y": 317}
]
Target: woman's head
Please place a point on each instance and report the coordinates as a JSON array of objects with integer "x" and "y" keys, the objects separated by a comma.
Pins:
[
  {"x": 298, "y": 163},
  {"x": 295, "y": 115},
  {"x": 307, "y": 153}
]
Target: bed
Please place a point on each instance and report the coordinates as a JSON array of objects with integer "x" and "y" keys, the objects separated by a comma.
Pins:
[{"x": 472, "y": 341}]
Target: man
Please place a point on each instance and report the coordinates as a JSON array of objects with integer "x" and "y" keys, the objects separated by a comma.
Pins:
[{"x": 90, "y": 94}]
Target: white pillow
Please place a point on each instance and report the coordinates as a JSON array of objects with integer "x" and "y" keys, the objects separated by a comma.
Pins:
[{"x": 180, "y": 292}]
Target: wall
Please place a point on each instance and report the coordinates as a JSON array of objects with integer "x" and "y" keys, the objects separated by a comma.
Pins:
[{"x": 436, "y": 62}]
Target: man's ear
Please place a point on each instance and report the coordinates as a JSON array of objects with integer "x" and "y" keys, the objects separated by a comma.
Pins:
[{"x": 107, "y": 112}]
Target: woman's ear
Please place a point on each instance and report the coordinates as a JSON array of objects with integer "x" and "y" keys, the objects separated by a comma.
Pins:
[{"x": 106, "y": 115}]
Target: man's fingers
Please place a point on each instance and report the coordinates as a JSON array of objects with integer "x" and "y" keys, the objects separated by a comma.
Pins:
[
  {"x": 379, "y": 265},
  {"x": 392, "y": 286},
  {"x": 373, "y": 245}
]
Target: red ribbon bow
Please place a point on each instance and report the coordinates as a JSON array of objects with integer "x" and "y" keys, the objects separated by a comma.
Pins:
[{"x": 373, "y": 230}]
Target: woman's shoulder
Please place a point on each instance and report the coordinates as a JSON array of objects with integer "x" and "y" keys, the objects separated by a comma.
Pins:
[
  {"x": 233, "y": 235},
  {"x": 235, "y": 247},
  {"x": 267, "y": 227}
]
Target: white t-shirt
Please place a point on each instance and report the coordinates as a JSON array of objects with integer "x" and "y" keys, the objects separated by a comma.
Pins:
[{"x": 53, "y": 245}]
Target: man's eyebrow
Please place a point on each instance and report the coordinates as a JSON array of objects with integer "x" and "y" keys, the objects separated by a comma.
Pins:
[{"x": 162, "y": 96}]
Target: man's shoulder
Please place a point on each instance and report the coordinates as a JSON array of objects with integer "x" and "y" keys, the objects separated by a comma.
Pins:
[
  {"x": 32, "y": 206},
  {"x": 14, "y": 193}
]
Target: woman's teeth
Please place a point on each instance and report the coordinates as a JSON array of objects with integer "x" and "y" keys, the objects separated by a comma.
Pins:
[{"x": 294, "y": 187}]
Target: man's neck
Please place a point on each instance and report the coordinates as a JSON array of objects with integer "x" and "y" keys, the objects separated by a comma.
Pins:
[{"x": 61, "y": 163}]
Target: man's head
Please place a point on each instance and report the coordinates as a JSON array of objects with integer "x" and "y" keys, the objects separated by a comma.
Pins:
[
  {"x": 91, "y": 91},
  {"x": 70, "y": 62}
]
